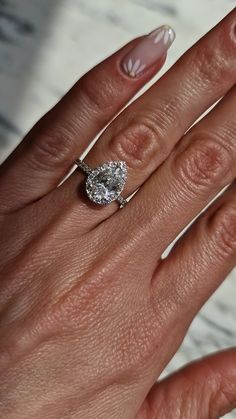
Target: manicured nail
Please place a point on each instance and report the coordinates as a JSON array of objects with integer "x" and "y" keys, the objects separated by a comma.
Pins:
[{"x": 148, "y": 51}]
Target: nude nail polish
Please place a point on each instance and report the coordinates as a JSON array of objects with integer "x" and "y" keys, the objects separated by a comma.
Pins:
[{"x": 148, "y": 51}]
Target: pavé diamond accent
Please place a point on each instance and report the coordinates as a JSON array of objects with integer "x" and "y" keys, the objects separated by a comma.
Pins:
[{"x": 105, "y": 183}]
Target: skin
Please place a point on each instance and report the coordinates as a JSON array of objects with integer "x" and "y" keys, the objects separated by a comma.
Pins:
[{"x": 90, "y": 312}]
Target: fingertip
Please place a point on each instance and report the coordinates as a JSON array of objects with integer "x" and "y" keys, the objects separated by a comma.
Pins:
[{"x": 148, "y": 52}]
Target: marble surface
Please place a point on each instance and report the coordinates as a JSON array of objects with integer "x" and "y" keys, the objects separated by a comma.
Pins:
[{"x": 46, "y": 45}]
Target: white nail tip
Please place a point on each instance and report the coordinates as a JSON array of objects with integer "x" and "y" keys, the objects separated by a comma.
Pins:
[
  {"x": 172, "y": 35},
  {"x": 164, "y": 34},
  {"x": 159, "y": 37},
  {"x": 166, "y": 37}
]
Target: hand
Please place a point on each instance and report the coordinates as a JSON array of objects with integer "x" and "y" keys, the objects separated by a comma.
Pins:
[{"x": 90, "y": 312}]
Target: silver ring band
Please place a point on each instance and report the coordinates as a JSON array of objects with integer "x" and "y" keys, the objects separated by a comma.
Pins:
[{"x": 105, "y": 183}]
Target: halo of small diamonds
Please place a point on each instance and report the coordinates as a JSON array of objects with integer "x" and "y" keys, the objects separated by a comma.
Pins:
[{"x": 105, "y": 183}]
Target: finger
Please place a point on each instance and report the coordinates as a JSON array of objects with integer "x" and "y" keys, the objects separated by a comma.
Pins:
[
  {"x": 199, "y": 262},
  {"x": 196, "y": 266},
  {"x": 48, "y": 151},
  {"x": 145, "y": 133},
  {"x": 203, "y": 390},
  {"x": 200, "y": 166}
]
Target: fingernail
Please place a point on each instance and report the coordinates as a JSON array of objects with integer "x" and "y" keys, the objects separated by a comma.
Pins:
[{"x": 148, "y": 51}]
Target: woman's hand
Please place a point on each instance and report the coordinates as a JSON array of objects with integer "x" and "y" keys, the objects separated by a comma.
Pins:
[{"x": 90, "y": 313}]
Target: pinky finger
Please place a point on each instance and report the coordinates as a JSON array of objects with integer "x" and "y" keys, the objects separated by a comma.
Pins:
[
  {"x": 200, "y": 260},
  {"x": 205, "y": 389}
]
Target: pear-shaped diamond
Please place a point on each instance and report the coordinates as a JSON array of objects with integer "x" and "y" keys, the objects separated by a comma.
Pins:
[{"x": 105, "y": 183}]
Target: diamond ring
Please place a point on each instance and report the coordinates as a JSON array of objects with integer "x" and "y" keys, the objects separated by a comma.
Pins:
[{"x": 105, "y": 183}]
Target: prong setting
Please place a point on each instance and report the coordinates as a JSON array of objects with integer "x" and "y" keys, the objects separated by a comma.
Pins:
[{"x": 105, "y": 183}]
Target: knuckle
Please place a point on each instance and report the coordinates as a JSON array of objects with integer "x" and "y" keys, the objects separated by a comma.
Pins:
[
  {"x": 143, "y": 138},
  {"x": 94, "y": 99},
  {"x": 169, "y": 115},
  {"x": 206, "y": 162},
  {"x": 209, "y": 66},
  {"x": 52, "y": 149},
  {"x": 214, "y": 63},
  {"x": 223, "y": 224},
  {"x": 139, "y": 143}
]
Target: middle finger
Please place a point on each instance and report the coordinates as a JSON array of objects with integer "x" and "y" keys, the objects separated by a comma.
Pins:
[{"x": 202, "y": 164}]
